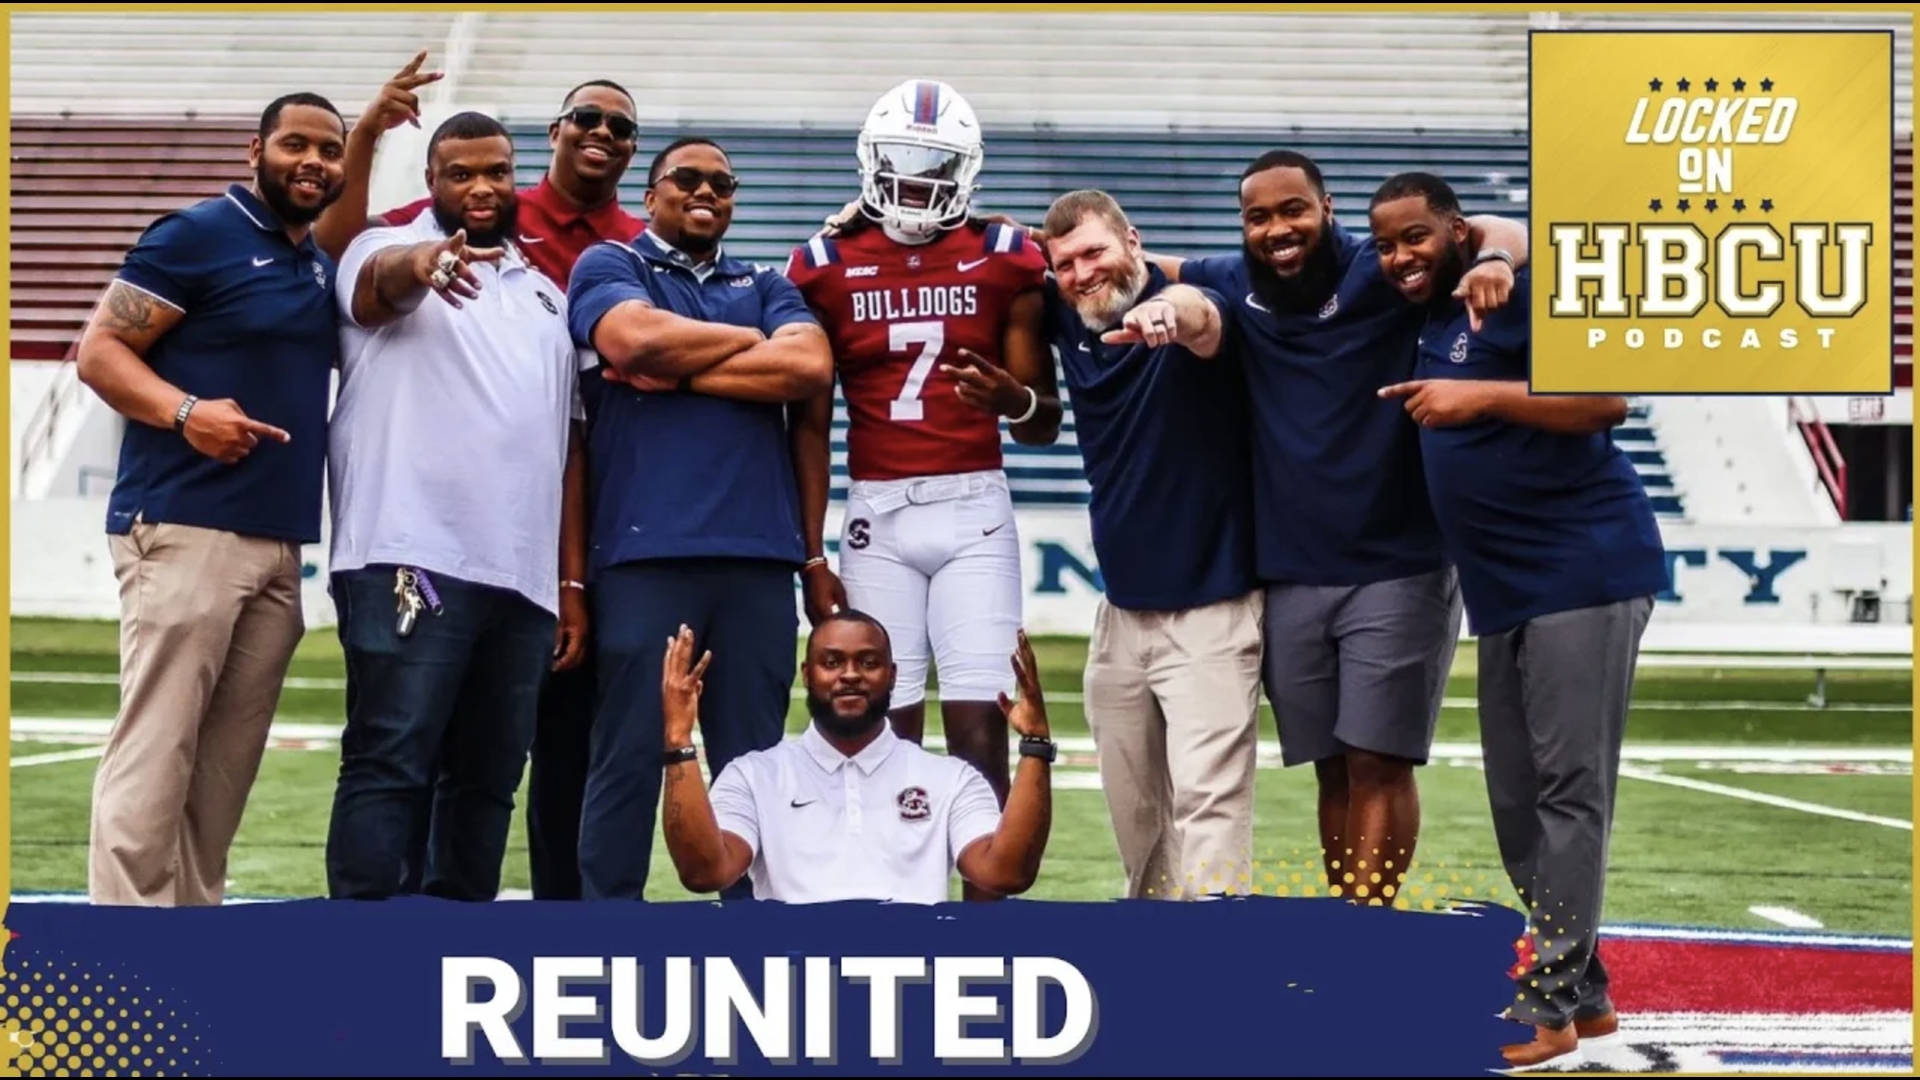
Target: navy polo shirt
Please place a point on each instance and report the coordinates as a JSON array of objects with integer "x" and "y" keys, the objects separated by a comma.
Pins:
[
  {"x": 1338, "y": 493},
  {"x": 260, "y": 327},
  {"x": 1164, "y": 437},
  {"x": 685, "y": 475},
  {"x": 1537, "y": 522}
]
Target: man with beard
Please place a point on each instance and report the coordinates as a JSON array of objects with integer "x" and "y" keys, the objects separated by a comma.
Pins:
[
  {"x": 452, "y": 406},
  {"x": 1173, "y": 668},
  {"x": 849, "y": 810},
  {"x": 1560, "y": 558},
  {"x": 576, "y": 204},
  {"x": 700, "y": 359},
  {"x": 1362, "y": 610},
  {"x": 216, "y": 341}
]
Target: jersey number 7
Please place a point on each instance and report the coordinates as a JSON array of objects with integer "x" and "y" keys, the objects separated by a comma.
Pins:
[{"x": 931, "y": 337}]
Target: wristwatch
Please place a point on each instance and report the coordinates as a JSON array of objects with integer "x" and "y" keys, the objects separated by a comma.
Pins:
[
  {"x": 1490, "y": 254},
  {"x": 1044, "y": 749}
]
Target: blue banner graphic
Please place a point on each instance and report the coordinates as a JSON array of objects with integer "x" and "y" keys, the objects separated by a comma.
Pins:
[{"x": 1252, "y": 987}]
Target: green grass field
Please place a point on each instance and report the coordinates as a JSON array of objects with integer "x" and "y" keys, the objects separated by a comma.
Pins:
[{"x": 1737, "y": 794}]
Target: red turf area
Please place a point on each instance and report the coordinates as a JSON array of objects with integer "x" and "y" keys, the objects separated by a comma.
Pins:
[{"x": 1689, "y": 976}]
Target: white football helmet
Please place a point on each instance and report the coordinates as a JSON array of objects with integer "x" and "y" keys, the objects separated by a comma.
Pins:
[{"x": 920, "y": 154}]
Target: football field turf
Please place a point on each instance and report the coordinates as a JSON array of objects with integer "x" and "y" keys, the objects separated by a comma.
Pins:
[{"x": 1741, "y": 806}]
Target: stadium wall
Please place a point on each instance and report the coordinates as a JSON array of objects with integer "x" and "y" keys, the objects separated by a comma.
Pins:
[
  {"x": 1722, "y": 575},
  {"x": 1368, "y": 88},
  {"x": 1272, "y": 70}
]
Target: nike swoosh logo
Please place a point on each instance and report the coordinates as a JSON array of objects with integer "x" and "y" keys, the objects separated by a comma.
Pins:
[
  {"x": 797, "y": 804},
  {"x": 1257, "y": 305},
  {"x": 995, "y": 529},
  {"x": 1083, "y": 347},
  {"x": 532, "y": 239},
  {"x": 263, "y": 262},
  {"x": 966, "y": 266}
]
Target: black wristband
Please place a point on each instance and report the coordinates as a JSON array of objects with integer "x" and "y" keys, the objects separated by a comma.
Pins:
[
  {"x": 1044, "y": 749},
  {"x": 679, "y": 755},
  {"x": 180, "y": 414},
  {"x": 685, "y": 385}
]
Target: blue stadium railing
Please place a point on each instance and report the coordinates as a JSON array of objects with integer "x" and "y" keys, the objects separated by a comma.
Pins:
[{"x": 1180, "y": 190}]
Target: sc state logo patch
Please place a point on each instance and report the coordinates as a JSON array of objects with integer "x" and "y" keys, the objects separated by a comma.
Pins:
[
  {"x": 914, "y": 804},
  {"x": 546, "y": 302},
  {"x": 1332, "y": 305},
  {"x": 1459, "y": 353},
  {"x": 859, "y": 533}
]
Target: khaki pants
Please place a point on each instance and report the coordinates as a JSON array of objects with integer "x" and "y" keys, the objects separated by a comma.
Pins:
[
  {"x": 1173, "y": 699},
  {"x": 209, "y": 621}
]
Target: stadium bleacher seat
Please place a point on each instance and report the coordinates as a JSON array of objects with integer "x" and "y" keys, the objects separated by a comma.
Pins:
[
  {"x": 1642, "y": 446},
  {"x": 83, "y": 193},
  {"x": 171, "y": 65}
]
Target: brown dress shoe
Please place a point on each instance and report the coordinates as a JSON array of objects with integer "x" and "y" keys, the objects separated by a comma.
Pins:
[
  {"x": 1547, "y": 1045},
  {"x": 1597, "y": 1027}
]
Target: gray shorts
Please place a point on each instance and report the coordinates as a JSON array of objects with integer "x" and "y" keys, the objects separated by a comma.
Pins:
[{"x": 1360, "y": 666}]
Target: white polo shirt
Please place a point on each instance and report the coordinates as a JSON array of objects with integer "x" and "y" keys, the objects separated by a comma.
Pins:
[
  {"x": 886, "y": 824},
  {"x": 448, "y": 445}
]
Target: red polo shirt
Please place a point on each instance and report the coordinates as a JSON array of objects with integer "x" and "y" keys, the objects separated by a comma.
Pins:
[{"x": 553, "y": 233}]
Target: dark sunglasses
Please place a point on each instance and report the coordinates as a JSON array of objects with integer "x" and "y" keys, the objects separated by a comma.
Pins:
[
  {"x": 589, "y": 117},
  {"x": 688, "y": 179}
]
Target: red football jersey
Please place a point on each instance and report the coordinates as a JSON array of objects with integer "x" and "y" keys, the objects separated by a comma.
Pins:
[{"x": 897, "y": 312}]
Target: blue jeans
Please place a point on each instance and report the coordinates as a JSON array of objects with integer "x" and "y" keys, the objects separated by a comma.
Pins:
[{"x": 455, "y": 701}]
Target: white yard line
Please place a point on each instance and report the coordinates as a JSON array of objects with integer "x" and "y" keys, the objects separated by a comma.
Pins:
[
  {"x": 311, "y": 736},
  {"x": 1069, "y": 697},
  {"x": 1786, "y": 917},
  {"x": 1645, "y": 932},
  {"x": 1761, "y": 797},
  {"x": 58, "y": 756},
  {"x": 1891, "y": 1031},
  {"x": 92, "y": 728}
]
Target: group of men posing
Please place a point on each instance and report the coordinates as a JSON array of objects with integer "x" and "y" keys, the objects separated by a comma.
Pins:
[{"x": 576, "y": 453}]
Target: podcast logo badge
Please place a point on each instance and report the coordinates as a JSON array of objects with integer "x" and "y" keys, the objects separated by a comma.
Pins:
[{"x": 1712, "y": 212}]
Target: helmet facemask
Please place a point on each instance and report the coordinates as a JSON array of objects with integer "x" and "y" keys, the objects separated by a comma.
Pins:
[{"x": 917, "y": 188}]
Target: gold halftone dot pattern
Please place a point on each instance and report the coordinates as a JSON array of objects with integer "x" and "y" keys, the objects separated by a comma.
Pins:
[
  {"x": 68, "y": 1020},
  {"x": 1208, "y": 879},
  {"x": 1384, "y": 880}
]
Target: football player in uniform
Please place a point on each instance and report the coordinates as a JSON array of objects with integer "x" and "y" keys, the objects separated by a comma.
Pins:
[{"x": 936, "y": 320}]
